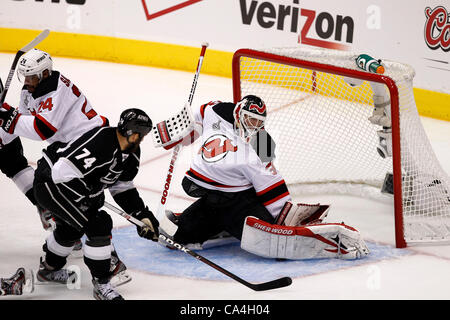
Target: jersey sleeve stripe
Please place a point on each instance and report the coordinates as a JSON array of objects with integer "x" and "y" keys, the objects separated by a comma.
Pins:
[
  {"x": 194, "y": 174},
  {"x": 13, "y": 125},
  {"x": 203, "y": 107},
  {"x": 105, "y": 121},
  {"x": 281, "y": 196},
  {"x": 274, "y": 193},
  {"x": 279, "y": 183},
  {"x": 43, "y": 128},
  {"x": 202, "y": 110}
]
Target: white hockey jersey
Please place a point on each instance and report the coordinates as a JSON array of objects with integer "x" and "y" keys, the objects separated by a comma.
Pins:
[
  {"x": 56, "y": 111},
  {"x": 226, "y": 163}
]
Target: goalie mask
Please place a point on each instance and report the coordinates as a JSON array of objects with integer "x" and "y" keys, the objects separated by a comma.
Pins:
[
  {"x": 134, "y": 121},
  {"x": 34, "y": 62},
  {"x": 249, "y": 116}
]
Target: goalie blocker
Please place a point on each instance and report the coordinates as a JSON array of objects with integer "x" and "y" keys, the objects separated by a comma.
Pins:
[{"x": 314, "y": 241}]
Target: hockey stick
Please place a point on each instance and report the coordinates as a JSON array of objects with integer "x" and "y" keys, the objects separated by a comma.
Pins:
[
  {"x": 165, "y": 194},
  {"x": 19, "y": 53},
  {"x": 274, "y": 284}
]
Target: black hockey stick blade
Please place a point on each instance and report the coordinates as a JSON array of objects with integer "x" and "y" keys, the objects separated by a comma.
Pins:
[{"x": 274, "y": 284}]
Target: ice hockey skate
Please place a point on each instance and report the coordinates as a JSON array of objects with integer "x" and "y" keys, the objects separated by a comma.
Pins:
[
  {"x": 103, "y": 290},
  {"x": 47, "y": 274},
  {"x": 21, "y": 282},
  {"x": 119, "y": 275}
]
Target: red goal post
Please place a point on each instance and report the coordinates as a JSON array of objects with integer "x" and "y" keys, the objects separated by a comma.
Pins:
[{"x": 253, "y": 73}]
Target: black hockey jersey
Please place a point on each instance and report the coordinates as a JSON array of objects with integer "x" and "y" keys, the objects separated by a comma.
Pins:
[{"x": 92, "y": 163}]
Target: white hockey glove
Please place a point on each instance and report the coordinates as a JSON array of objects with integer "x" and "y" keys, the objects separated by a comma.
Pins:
[{"x": 302, "y": 214}]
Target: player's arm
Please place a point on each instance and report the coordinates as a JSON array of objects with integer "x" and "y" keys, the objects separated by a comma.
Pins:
[
  {"x": 41, "y": 126},
  {"x": 50, "y": 115},
  {"x": 269, "y": 185},
  {"x": 127, "y": 197}
]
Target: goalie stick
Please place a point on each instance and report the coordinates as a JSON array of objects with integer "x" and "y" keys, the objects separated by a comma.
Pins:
[
  {"x": 274, "y": 284},
  {"x": 165, "y": 194},
  {"x": 19, "y": 53}
]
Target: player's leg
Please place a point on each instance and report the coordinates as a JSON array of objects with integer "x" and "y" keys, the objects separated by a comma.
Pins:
[
  {"x": 15, "y": 166},
  {"x": 244, "y": 204},
  {"x": 58, "y": 246},
  {"x": 97, "y": 255},
  {"x": 70, "y": 226},
  {"x": 197, "y": 223},
  {"x": 314, "y": 241}
]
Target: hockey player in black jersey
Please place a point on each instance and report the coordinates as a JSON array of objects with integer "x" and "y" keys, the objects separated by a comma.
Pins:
[
  {"x": 51, "y": 108},
  {"x": 70, "y": 180}
]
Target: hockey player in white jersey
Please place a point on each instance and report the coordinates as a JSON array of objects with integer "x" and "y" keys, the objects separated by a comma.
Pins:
[
  {"x": 51, "y": 108},
  {"x": 242, "y": 193}
]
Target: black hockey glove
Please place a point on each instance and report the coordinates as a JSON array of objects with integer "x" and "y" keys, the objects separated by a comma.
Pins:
[
  {"x": 150, "y": 231},
  {"x": 8, "y": 117}
]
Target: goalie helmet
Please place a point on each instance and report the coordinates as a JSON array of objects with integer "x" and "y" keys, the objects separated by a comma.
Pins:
[
  {"x": 249, "y": 114},
  {"x": 34, "y": 62},
  {"x": 134, "y": 121}
]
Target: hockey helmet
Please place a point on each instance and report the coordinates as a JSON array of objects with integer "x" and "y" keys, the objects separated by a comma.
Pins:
[
  {"x": 34, "y": 62},
  {"x": 249, "y": 116},
  {"x": 134, "y": 121}
]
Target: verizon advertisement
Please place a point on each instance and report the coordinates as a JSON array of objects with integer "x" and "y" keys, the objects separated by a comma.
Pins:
[{"x": 413, "y": 32}]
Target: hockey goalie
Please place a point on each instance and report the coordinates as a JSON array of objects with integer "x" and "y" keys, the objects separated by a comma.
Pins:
[{"x": 241, "y": 193}]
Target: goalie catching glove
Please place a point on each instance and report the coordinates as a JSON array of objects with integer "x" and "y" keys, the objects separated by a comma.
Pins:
[{"x": 150, "y": 231}]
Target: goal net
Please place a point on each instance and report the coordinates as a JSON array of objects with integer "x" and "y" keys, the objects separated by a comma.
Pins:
[{"x": 338, "y": 128}]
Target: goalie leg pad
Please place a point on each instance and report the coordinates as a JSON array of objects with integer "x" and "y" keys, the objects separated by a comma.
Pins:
[{"x": 330, "y": 240}]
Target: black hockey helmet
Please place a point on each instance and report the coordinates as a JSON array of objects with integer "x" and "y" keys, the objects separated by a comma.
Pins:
[
  {"x": 250, "y": 114},
  {"x": 134, "y": 121}
]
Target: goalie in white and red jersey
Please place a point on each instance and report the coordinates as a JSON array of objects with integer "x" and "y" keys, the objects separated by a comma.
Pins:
[{"x": 242, "y": 193}]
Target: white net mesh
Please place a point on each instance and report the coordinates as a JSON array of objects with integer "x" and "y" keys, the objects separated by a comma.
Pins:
[{"x": 325, "y": 142}]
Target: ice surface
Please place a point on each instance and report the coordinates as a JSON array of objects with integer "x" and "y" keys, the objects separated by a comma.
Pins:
[{"x": 161, "y": 274}]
